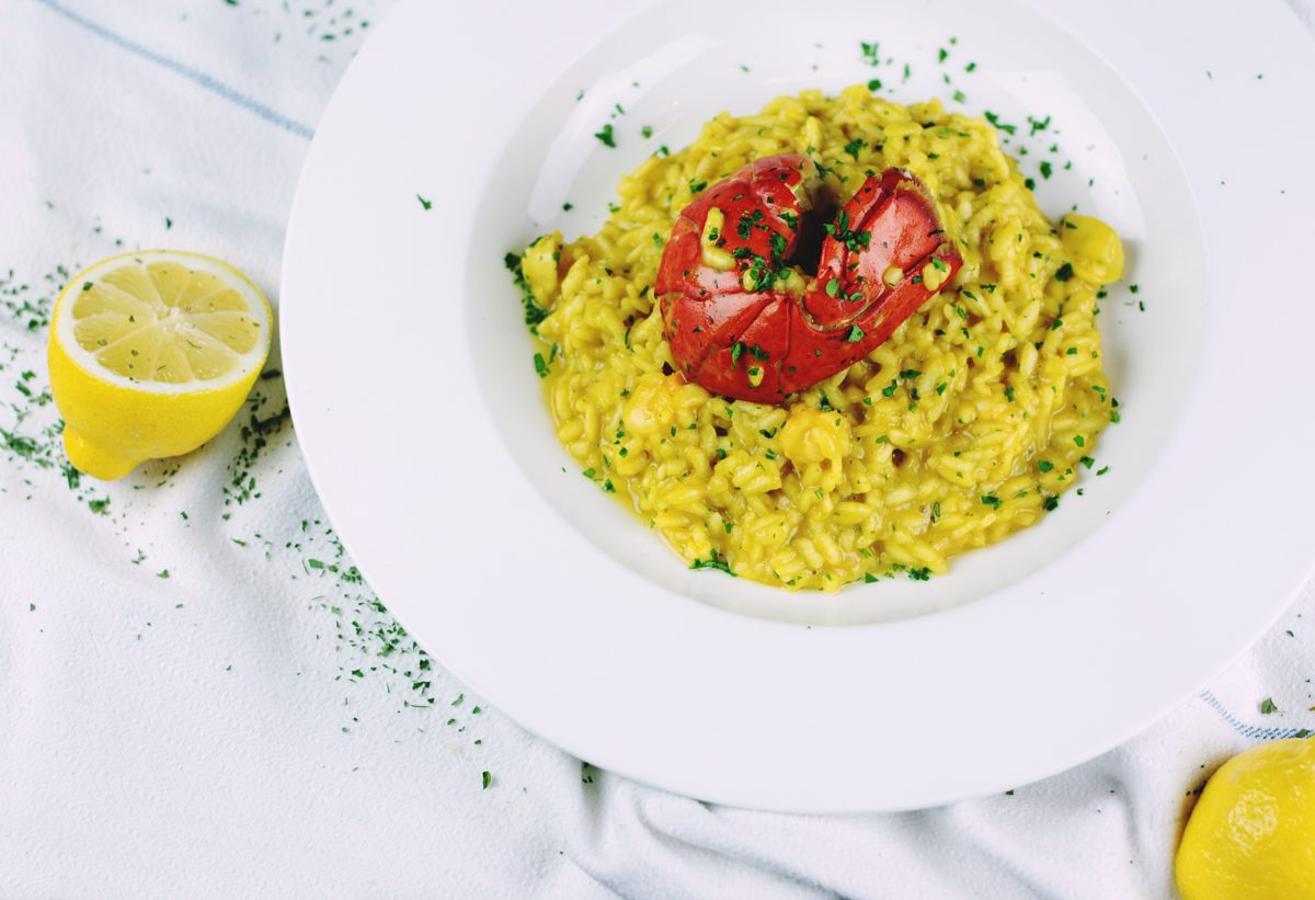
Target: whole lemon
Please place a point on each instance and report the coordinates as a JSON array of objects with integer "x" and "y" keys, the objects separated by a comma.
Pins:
[{"x": 1252, "y": 834}]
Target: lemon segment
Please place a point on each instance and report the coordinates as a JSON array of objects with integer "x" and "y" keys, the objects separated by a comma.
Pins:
[
  {"x": 151, "y": 354},
  {"x": 1252, "y": 833}
]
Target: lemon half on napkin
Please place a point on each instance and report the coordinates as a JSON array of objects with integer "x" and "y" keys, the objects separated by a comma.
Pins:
[{"x": 151, "y": 354}]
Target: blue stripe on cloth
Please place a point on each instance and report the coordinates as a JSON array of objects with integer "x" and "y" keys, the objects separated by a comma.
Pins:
[
  {"x": 1251, "y": 731},
  {"x": 218, "y": 88}
]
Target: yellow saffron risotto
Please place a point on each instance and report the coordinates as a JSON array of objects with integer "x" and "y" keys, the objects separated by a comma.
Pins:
[{"x": 962, "y": 428}]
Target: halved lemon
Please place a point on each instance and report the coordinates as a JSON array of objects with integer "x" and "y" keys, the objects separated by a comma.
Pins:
[{"x": 151, "y": 354}]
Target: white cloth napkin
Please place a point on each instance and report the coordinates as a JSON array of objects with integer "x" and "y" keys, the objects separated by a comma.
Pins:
[{"x": 198, "y": 696}]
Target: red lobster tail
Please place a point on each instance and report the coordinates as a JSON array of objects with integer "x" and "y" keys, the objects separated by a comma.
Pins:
[{"x": 878, "y": 256}]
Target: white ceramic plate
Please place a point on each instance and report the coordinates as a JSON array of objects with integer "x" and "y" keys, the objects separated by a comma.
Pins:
[{"x": 420, "y": 416}]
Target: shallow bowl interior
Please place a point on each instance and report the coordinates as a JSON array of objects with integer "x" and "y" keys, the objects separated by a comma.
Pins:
[{"x": 673, "y": 69}]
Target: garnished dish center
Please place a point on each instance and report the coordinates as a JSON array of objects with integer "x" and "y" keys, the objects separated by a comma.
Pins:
[{"x": 831, "y": 342}]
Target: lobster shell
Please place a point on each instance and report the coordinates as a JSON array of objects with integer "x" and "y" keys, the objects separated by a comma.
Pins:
[{"x": 743, "y": 322}]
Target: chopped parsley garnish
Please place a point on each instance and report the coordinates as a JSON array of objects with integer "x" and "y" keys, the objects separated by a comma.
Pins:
[
  {"x": 424, "y": 204},
  {"x": 606, "y": 136},
  {"x": 1044, "y": 465},
  {"x": 995, "y": 120},
  {"x": 854, "y": 147},
  {"x": 874, "y": 84},
  {"x": 1050, "y": 504},
  {"x": 534, "y": 313},
  {"x": 646, "y": 131},
  {"x": 854, "y": 241},
  {"x": 761, "y": 275},
  {"x": 540, "y": 365},
  {"x": 991, "y": 500},
  {"x": 714, "y": 561},
  {"x": 746, "y": 224},
  {"x": 1064, "y": 272}
]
